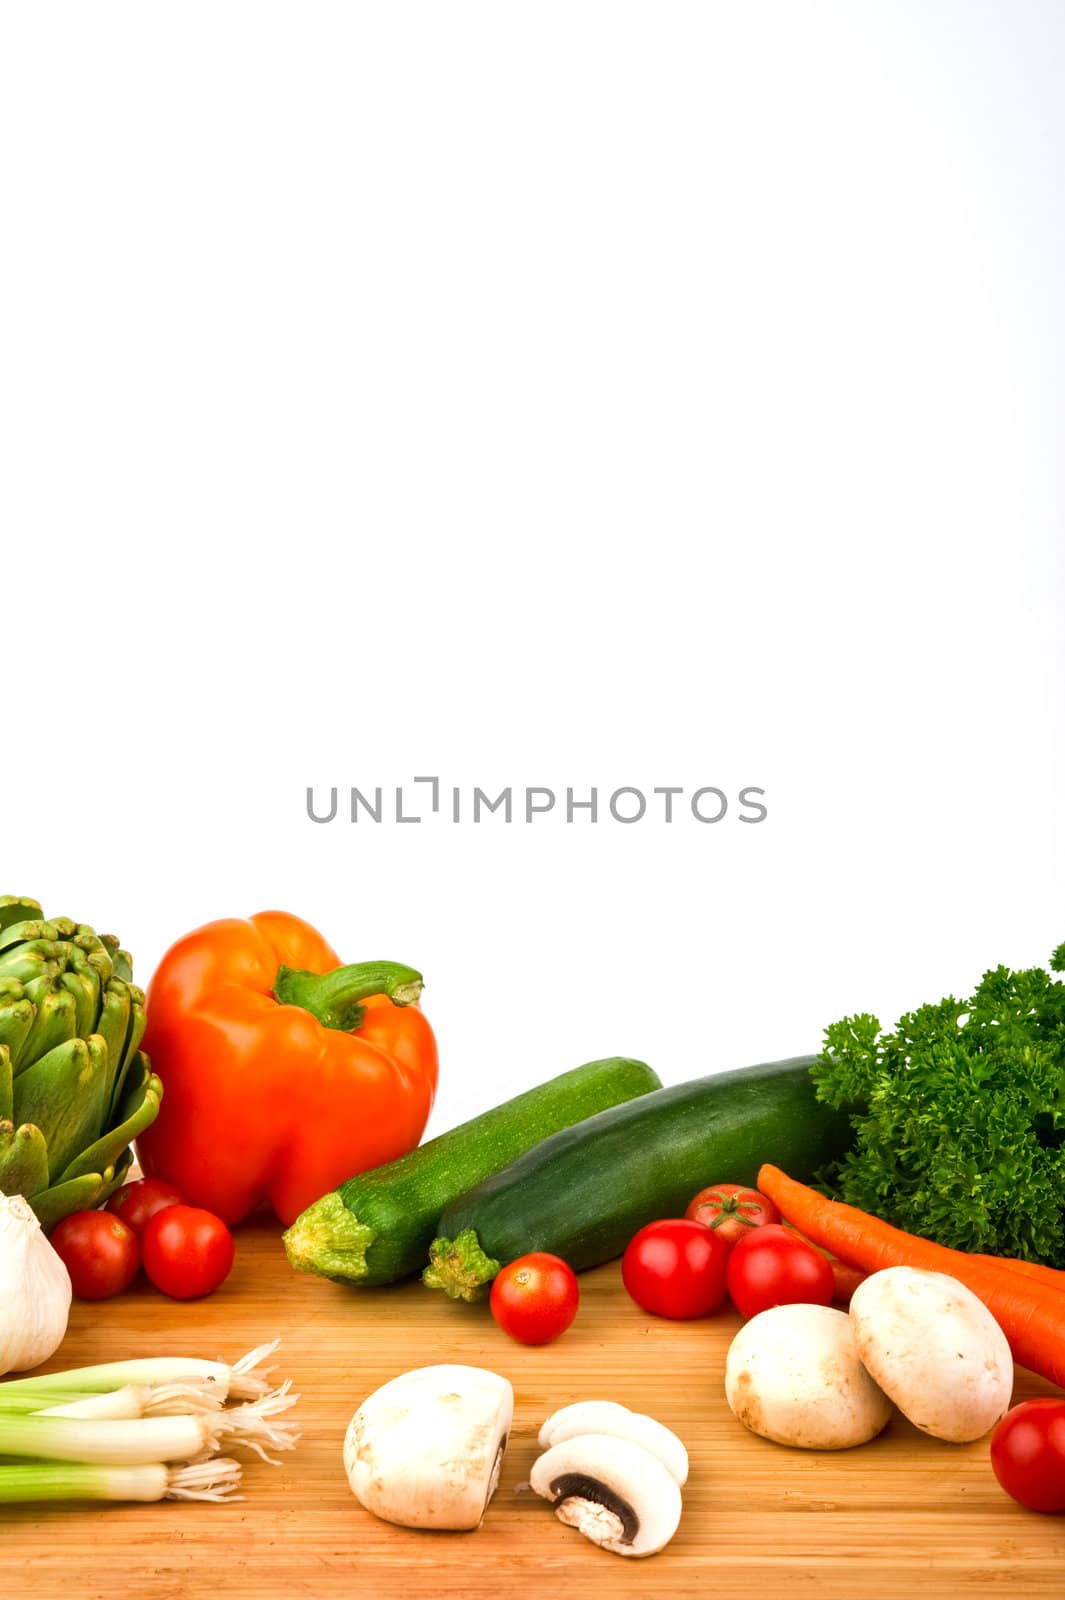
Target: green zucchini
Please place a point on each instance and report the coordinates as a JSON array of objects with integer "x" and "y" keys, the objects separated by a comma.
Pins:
[
  {"x": 584, "y": 1192},
  {"x": 378, "y": 1226}
]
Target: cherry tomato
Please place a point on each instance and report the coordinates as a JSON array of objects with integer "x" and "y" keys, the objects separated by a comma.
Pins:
[
  {"x": 99, "y": 1251},
  {"x": 136, "y": 1203},
  {"x": 187, "y": 1252},
  {"x": 535, "y": 1298},
  {"x": 771, "y": 1267},
  {"x": 676, "y": 1268},
  {"x": 1028, "y": 1454},
  {"x": 731, "y": 1210},
  {"x": 845, "y": 1278}
]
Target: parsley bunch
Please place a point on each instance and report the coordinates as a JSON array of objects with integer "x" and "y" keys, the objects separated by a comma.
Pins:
[{"x": 959, "y": 1116}]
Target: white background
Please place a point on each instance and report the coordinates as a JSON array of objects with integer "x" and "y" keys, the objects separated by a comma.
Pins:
[{"x": 567, "y": 394}]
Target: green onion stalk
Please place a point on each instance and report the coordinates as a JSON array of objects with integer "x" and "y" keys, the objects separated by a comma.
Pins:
[
  {"x": 195, "y": 1398},
  {"x": 138, "y": 1430},
  {"x": 37, "y": 1481},
  {"x": 120, "y": 1443},
  {"x": 242, "y": 1381}
]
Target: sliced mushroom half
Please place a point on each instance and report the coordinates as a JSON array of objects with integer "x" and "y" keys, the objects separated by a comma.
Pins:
[
  {"x": 606, "y": 1416},
  {"x": 425, "y": 1450},
  {"x": 616, "y": 1493}
]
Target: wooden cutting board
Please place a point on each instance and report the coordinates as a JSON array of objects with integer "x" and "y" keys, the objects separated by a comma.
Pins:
[{"x": 904, "y": 1515}]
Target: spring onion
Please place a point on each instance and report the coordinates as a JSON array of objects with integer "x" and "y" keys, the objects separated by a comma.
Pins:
[
  {"x": 238, "y": 1382},
  {"x": 194, "y": 1398},
  {"x": 121, "y": 1443},
  {"x": 137, "y": 1441},
  {"x": 44, "y": 1480},
  {"x": 139, "y": 1430},
  {"x": 251, "y": 1423},
  {"x": 41, "y": 1400}
]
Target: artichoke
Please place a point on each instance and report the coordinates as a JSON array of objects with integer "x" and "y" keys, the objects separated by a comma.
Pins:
[{"x": 74, "y": 1086}]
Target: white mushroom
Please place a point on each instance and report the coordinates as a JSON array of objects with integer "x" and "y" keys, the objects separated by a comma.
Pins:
[
  {"x": 793, "y": 1375},
  {"x": 580, "y": 1411},
  {"x": 606, "y": 1416},
  {"x": 616, "y": 1493},
  {"x": 425, "y": 1450},
  {"x": 935, "y": 1349}
]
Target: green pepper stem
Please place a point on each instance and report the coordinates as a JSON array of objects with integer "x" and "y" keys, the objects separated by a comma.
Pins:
[{"x": 333, "y": 997}]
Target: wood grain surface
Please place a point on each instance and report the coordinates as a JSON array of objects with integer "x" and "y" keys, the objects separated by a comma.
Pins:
[{"x": 904, "y": 1515}]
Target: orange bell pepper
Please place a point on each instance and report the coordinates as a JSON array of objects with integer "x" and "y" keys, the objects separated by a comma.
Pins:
[{"x": 284, "y": 1072}]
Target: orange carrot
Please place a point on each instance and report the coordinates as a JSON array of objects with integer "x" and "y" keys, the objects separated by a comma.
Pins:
[
  {"x": 1030, "y": 1314},
  {"x": 847, "y": 1278},
  {"x": 1050, "y": 1276}
]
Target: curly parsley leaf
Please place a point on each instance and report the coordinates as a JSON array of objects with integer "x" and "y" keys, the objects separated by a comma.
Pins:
[{"x": 959, "y": 1115}]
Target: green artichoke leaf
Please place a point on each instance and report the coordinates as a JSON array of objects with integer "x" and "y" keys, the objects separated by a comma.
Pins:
[
  {"x": 137, "y": 1022},
  {"x": 98, "y": 962},
  {"x": 63, "y": 1094},
  {"x": 22, "y": 932},
  {"x": 17, "y": 908},
  {"x": 23, "y": 1160},
  {"x": 122, "y": 959},
  {"x": 97, "y": 951},
  {"x": 113, "y": 1027},
  {"x": 29, "y": 961},
  {"x": 75, "y": 1087},
  {"x": 132, "y": 1068},
  {"x": 56, "y": 1023},
  {"x": 139, "y": 1109},
  {"x": 50, "y": 931},
  {"x": 115, "y": 1176},
  {"x": 83, "y": 982},
  {"x": 42, "y": 983},
  {"x": 137, "y": 1079},
  {"x": 16, "y": 1020},
  {"x": 78, "y": 1194}
]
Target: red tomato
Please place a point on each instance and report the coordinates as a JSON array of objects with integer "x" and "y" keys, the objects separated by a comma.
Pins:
[
  {"x": 98, "y": 1250},
  {"x": 731, "y": 1210},
  {"x": 187, "y": 1252},
  {"x": 136, "y": 1203},
  {"x": 676, "y": 1268},
  {"x": 771, "y": 1267},
  {"x": 535, "y": 1298},
  {"x": 1028, "y": 1454}
]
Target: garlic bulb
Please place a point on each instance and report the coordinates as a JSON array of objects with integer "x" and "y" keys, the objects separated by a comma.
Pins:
[{"x": 34, "y": 1290}]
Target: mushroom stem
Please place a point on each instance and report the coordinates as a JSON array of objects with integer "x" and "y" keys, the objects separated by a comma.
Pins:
[
  {"x": 576, "y": 1489},
  {"x": 615, "y": 1492}
]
